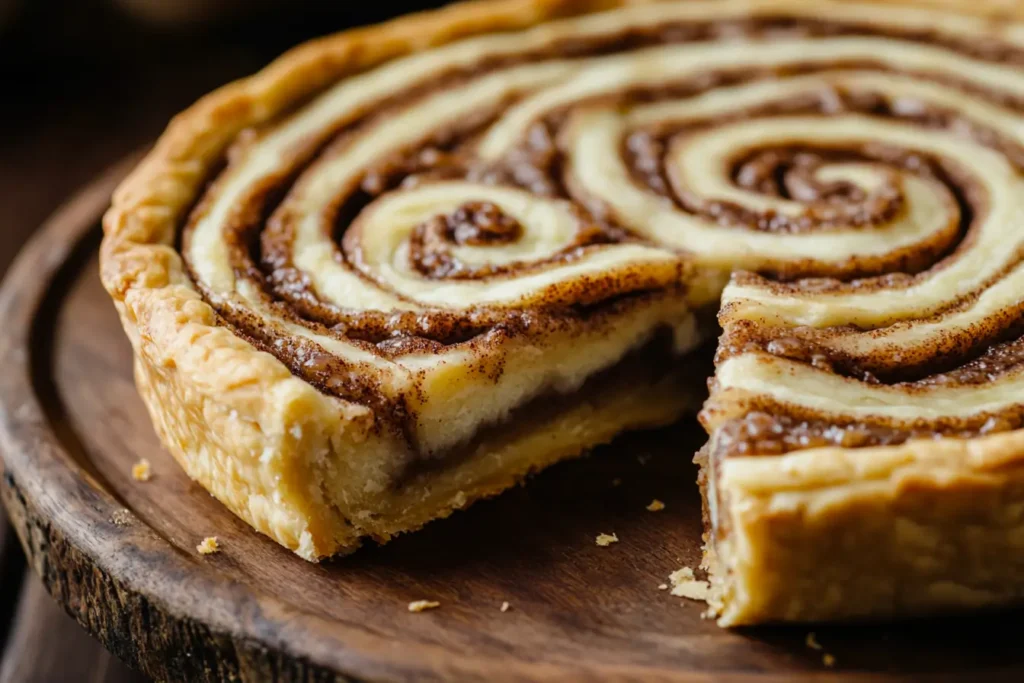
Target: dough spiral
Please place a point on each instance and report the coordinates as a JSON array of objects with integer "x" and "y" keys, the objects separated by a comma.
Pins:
[{"x": 858, "y": 149}]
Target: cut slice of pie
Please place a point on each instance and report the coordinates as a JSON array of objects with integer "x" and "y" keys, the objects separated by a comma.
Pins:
[{"x": 405, "y": 266}]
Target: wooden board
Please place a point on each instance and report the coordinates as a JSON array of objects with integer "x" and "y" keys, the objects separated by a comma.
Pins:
[{"x": 120, "y": 555}]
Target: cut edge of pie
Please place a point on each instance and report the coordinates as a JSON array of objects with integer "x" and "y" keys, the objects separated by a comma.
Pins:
[
  {"x": 814, "y": 534},
  {"x": 893, "y": 531}
]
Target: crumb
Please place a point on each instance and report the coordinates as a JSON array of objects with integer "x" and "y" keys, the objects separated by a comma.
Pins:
[
  {"x": 656, "y": 506},
  {"x": 209, "y": 546},
  {"x": 643, "y": 458},
  {"x": 141, "y": 471},
  {"x": 121, "y": 517},
  {"x": 505, "y": 606},
  {"x": 709, "y": 613},
  {"x": 828, "y": 660},
  {"x": 691, "y": 590},
  {"x": 680, "y": 575},
  {"x": 423, "y": 605},
  {"x": 616, "y": 481},
  {"x": 605, "y": 540},
  {"x": 663, "y": 586},
  {"x": 812, "y": 641},
  {"x": 684, "y": 585}
]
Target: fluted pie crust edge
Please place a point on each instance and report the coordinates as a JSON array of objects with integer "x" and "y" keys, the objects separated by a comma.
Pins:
[{"x": 833, "y": 533}]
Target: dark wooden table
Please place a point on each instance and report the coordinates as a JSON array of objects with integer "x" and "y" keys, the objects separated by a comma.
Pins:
[{"x": 84, "y": 87}]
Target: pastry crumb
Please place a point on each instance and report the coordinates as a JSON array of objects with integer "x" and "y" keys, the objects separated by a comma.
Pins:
[
  {"x": 691, "y": 590},
  {"x": 141, "y": 471},
  {"x": 121, "y": 517},
  {"x": 684, "y": 585},
  {"x": 663, "y": 586},
  {"x": 605, "y": 540},
  {"x": 812, "y": 641},
  {"x": 828, "y": 660},
  {"x": 505, "y": 606},
  {"x": 209, "y": 546},
  {"x": 423, "y": 605},
  {"x": 680, "y": 575},
  {"x": 656, "y": 506}
]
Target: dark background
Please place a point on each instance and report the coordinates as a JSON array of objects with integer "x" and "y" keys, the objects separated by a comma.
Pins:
[{"x": 83, "y": 83}]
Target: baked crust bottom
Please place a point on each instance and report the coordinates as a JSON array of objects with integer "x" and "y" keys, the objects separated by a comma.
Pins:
[{"x": 831, "y": 534}]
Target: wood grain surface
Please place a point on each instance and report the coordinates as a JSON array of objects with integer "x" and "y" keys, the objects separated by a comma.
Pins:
[{"x": 120, "y": 554}]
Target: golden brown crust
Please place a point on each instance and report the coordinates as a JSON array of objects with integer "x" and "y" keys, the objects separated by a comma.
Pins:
[
  {"x": 258, "y": 437},
  {"x": 898, "y": 531}
]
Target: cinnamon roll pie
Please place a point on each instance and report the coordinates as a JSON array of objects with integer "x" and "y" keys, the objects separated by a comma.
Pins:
[{"x": 405, "y": 266}]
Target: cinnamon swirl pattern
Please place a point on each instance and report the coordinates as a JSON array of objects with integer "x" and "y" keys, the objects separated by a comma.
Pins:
[{"x": 424, "y": 243}]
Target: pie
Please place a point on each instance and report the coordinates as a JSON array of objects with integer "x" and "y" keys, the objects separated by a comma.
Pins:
[{"x": 405, "y": 266}]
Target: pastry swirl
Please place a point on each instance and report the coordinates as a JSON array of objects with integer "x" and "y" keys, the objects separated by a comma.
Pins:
[
  {"x": 621, "y": 170},
  {"x": 428, "y": 236}
]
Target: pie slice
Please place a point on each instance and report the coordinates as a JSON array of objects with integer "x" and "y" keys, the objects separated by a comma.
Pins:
[{"x": 405, "y": 266}]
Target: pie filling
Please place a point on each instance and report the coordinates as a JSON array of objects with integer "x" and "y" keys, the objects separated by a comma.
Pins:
[
  {"x": 474, "y": 240},
  {"x": 657, "y": 364}
]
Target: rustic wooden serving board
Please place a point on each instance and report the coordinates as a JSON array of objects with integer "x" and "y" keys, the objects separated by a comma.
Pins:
[{"x": 120, "y": 554}]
